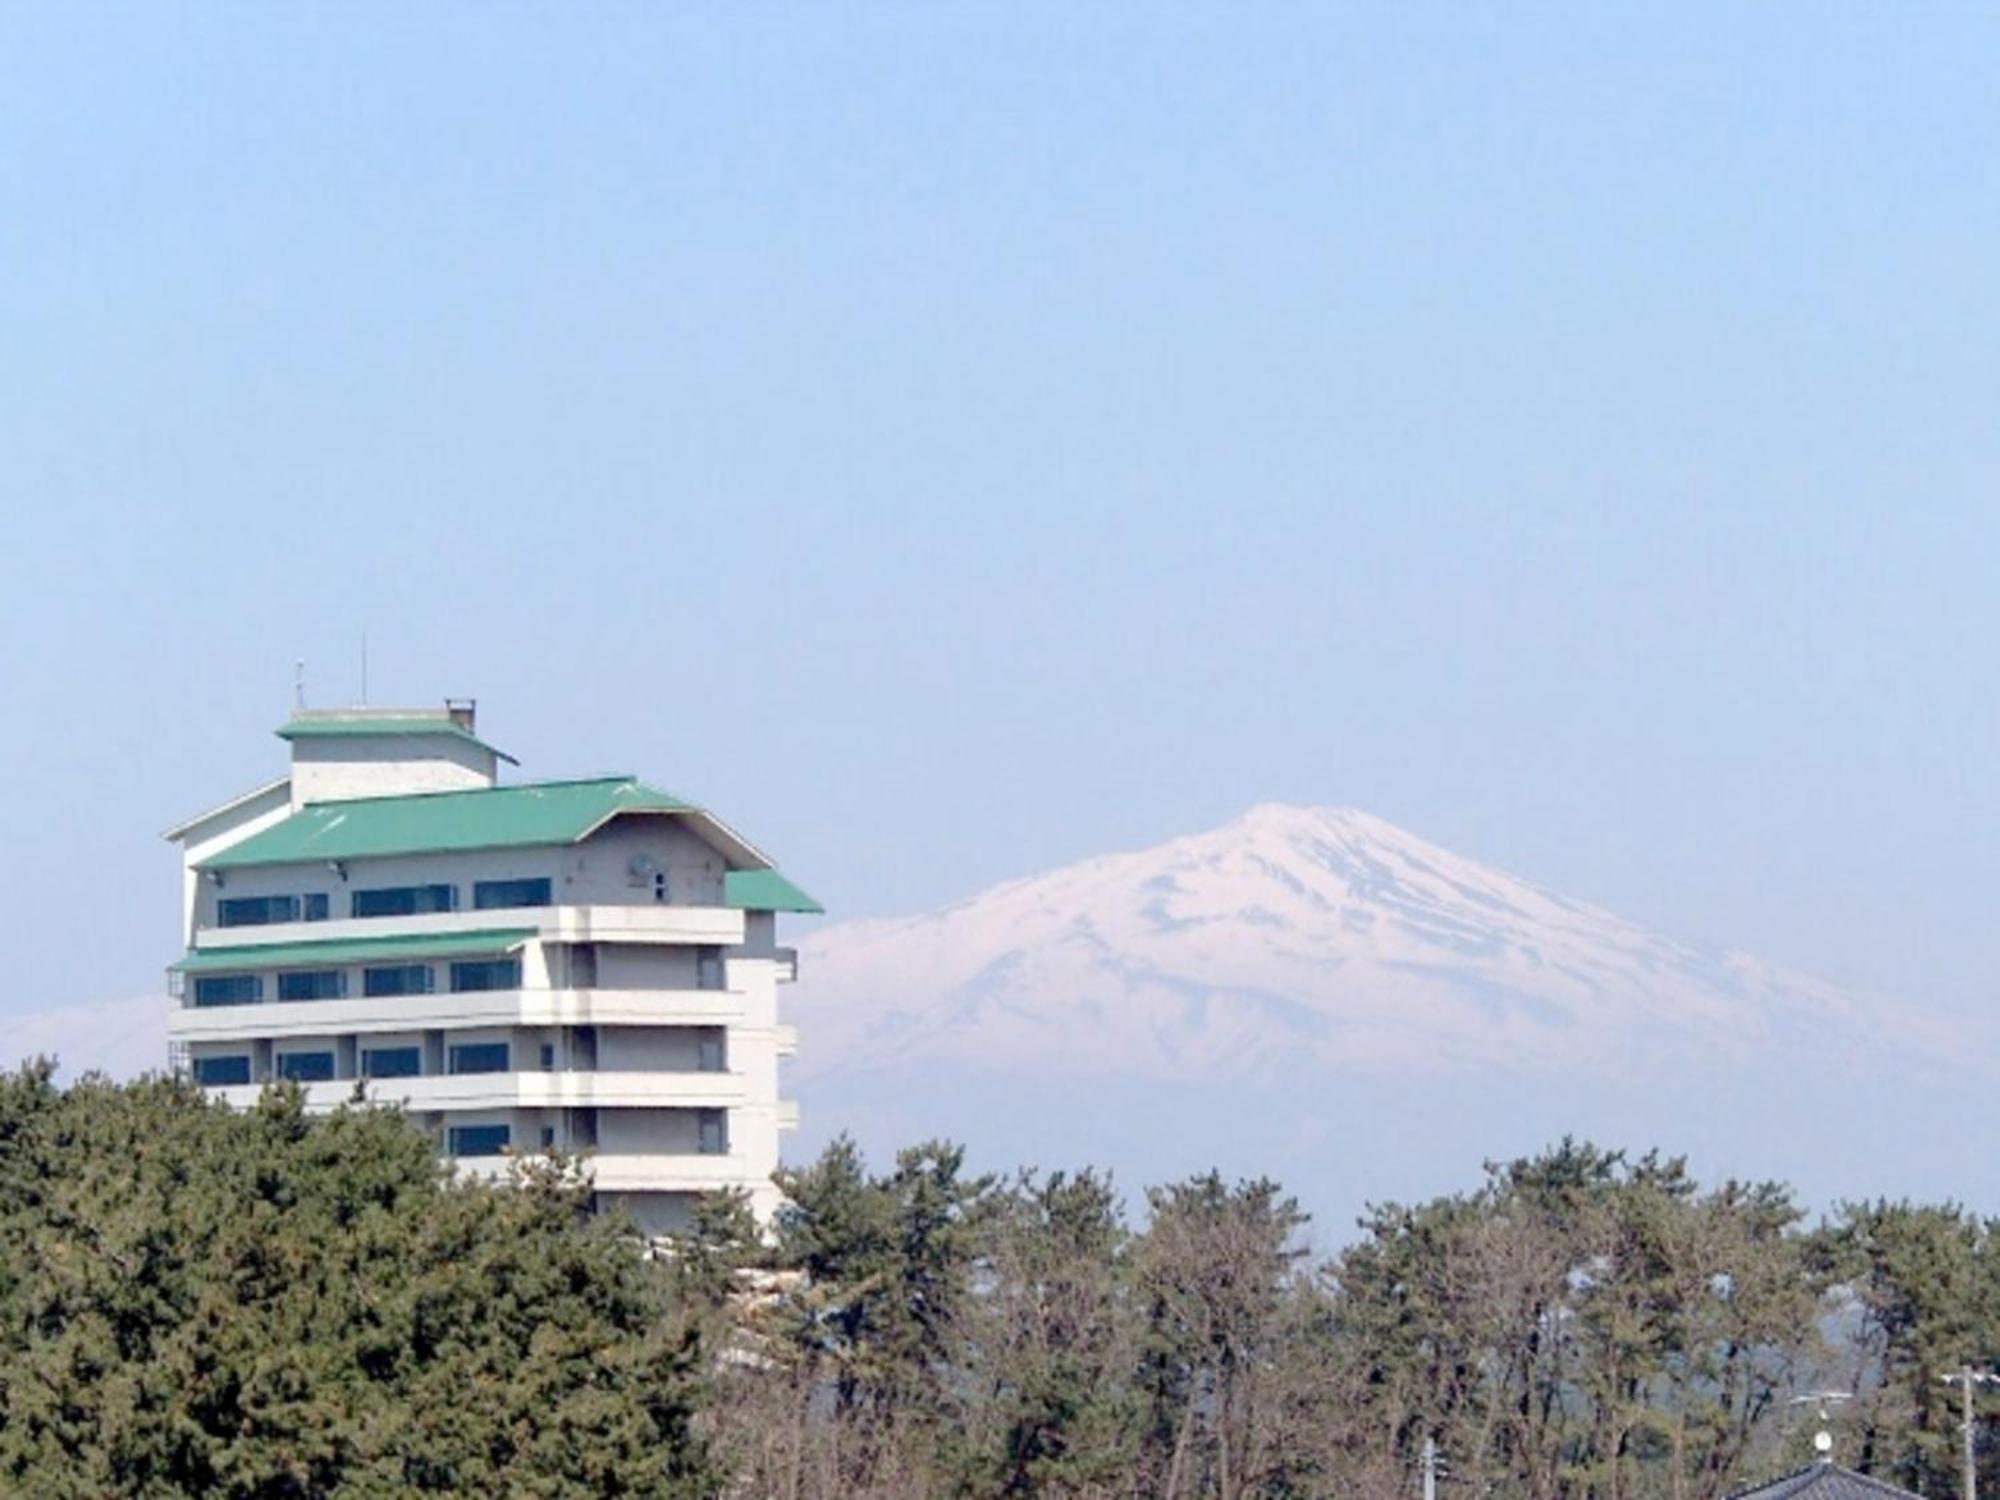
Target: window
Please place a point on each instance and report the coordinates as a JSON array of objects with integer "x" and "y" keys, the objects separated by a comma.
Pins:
[
  {"x": 220, "y": 1072},
  {"x": 479, "y": 1057},
  {"x": 478, "y": 1140},
  {"x": 306, "y": 1067},
  {"x": 404, "y": 900},
  {"x": 548, "y": 1137},
  {"x": 708, "y": 969},
  {"x": 255, "y": 911},
  {"x": 391, "y": 1062},
  {"x": 548, "y": 1057},
  {"x": 660, "y": 887},
  {"x": 397, "y": 979},
  {"x": 228, "y": 989},
  {"x": 317, "y": 907},
  {"x": 487, "y": 894},
  {"x": 314, "y": 984},
  {"x": 487, "y": 974},
  {"x": 710, "y": 1052},
  {"x": 714, "y": 1139}
]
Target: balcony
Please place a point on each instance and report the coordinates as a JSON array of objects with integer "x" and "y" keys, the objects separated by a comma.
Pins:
[
  {"x": 637, "y": 1174},
  {"x": 447, "y": 1092},
  {"x": 708, "y": 925},
  {"x": 279, "y": 1019},
  {"x": 616, "y": 1173}
]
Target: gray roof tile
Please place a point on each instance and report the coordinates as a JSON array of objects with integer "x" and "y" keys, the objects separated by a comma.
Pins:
[{"x": 1825, "y": 1482}]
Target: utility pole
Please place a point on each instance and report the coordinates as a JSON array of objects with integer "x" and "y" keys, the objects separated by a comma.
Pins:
[
  {"x": 1430, "y": 1467},
  {"x": 1965, "y": 1378}
]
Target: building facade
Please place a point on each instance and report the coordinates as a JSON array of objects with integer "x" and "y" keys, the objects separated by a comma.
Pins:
[{"x": 590, "y": 965}]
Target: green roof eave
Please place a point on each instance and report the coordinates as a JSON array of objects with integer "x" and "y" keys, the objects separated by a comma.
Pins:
[
  {"x": 765, "y": 890},
  {"x": 315, "y": 729},
  {"x": 540, "y": 813},
  {"x": 336, "y": 951}
]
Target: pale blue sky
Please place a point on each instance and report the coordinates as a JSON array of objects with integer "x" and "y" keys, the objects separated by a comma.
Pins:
[{"x": 954, "y": 440}]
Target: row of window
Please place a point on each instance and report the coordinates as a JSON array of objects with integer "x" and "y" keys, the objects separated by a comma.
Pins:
[
  {"x": 465, "y": 1140},
  {"x": 259, "y": 911},
  {"x": 384, "y": 901},
  {"x": 376, "y": 1062},
  {"x": 491, "y": 1140},
  {"x": 386, "y": 979}
]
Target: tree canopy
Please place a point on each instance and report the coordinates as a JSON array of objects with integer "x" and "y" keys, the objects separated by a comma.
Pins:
[{"x": 273, "y": 1304}]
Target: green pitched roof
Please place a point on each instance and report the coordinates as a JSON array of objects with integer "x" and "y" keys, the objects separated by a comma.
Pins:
[
  {"x": 384, "y": 724},
  {"x": 337, "y": 951},
  {"x": 765, "y": 890},
  {"x": 502, "y": 817}
]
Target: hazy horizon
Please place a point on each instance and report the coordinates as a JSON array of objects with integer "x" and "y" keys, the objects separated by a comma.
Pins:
[{"x": 953, "y": 444}]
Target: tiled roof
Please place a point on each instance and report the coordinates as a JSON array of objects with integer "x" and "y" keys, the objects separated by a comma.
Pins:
[
  {"x": 340, "y": 726},
  {"x": 544, "y": 812},
  {"x": 335, "y": 951},
  {"x": 765, "y": 890},
  {"x": 1826, "y": 1482}
]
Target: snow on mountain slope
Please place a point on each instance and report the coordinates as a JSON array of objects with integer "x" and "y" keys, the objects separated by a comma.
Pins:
[{"x": 1315, "y": 938}]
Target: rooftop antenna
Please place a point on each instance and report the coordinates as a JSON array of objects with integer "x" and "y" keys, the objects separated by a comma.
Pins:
[
  {"x": 1821, "y": 1400},
  {"x": 299, "y": 684},
  {"x": 364, "y": 669}
]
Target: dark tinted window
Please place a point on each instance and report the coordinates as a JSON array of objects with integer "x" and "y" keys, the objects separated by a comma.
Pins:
[
  {"x": 227, "y": 989},
  {"x": 487, "y": 974},
  {"x": 478, "y": 1140},
  {"x": 318, "y": 984},
  {"x": 255, "y": 911},
  {"x": 306, "y": 1067},
  {"x": 397, "y": 979},
  {"x": 219, "y": 1072},
  {"x": 391, "y": 1062},
  {"x": 479, "y": 1057},
  {"x": 487, "y": 894},
  {"x": 317, "y": 908},
  {"x": 404, "y": 900}
]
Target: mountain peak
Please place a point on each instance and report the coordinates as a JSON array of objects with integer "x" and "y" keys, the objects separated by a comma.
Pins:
[{"x": 1299, "y": 936}]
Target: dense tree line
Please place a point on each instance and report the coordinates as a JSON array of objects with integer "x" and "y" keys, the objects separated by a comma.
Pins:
[
  {"x": 199, "y": 1302},
  {"x": 1582, "y": 1326},
  {"x": 195, "y": 1302}
]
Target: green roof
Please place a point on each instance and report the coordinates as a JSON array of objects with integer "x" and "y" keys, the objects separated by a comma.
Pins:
[
  {"x": 501, "y": 817},
  {"x": 350, "y": 951},
  {"x": 765, "y": 890},
  {"x": 384, "y": 724}
]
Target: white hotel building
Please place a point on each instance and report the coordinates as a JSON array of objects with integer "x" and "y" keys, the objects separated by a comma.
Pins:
[{"x": 584, "y": 965}]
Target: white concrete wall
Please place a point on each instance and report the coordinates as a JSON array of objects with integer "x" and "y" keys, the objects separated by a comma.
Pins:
[
  {"x": 338, "y": 768},
  {"x": 211, "y": 835}
]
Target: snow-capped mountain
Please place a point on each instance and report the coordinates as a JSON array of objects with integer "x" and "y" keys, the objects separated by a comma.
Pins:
[
  {"x": 1316, "y": 937},
  {"x": 1317, "y": 994}
]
